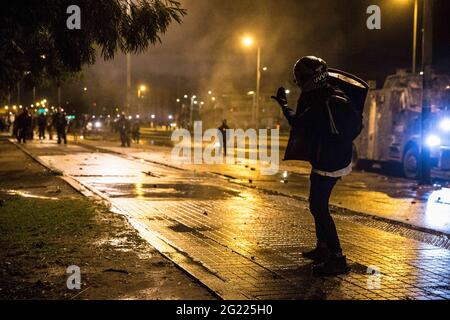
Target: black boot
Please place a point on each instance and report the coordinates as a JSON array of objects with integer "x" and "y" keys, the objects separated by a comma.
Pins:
[
  {"x": 334, "y": 266},
  {"x": 319, "y": 254}
]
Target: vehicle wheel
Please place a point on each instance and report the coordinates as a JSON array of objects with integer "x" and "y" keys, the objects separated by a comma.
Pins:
[{"x": 411, "y": 163}]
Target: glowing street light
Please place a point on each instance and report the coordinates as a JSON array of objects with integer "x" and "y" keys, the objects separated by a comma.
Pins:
[
  {"x": 142, "y": 89},
  {"x": 249, "y": 42}
]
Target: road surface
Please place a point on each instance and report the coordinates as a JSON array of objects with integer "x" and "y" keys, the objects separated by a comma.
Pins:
[{"x": 245, "y": 243}]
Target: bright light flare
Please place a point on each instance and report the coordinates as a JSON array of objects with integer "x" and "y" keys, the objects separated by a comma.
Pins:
[
  {"x": 445, "y": 125},
  {"x": 248, "y": 41},
  {"x": 433, "y": 141}
]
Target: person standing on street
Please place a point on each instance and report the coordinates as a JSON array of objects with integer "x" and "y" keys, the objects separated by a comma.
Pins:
[
  {"x": 24, "y": 125},
  {"x": 42, "y": 123},
  {"x": 323, "y": 129},
  {"x": 61, "y": 126},
  {"x": 223, "y": 130},
  {"x": 123, "y": 125},
  {"x": 136, "y": 131},
  {"x": 50, "y": 125}
]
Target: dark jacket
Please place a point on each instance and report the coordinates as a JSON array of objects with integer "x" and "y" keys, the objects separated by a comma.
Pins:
[
  {"x": 60, "y": 122},
  {"x": 319, "y": 134},
  {"x": 24, "y": 121},
  {"x": 123, "y": 125}
]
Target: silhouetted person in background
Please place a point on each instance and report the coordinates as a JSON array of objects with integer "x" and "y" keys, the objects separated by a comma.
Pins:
[
  {"x": 123, "y": 125},
  {"x": 136, "y": 131},
  {"x": 223, "y": 129},
  {"x": 24, "y": 125},
  {"x": 42, "y": 124},
  {"x": 50, "y": 125},
  {"x": 61, "y": 126},
  {"x": 320, "y": 135}
]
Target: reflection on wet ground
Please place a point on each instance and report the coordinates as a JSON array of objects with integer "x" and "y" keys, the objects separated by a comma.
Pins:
[
  {"x": 164, "y": 191},
  {"x": 438, "y": 208},
  {"x": 24, "y": 194}
]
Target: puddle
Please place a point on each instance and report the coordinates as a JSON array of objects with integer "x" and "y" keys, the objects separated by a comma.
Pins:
[
  {"x": 166, "y": 191},
  {"x": 25, "y": 195},
  {"x": 182, "y": 228}
]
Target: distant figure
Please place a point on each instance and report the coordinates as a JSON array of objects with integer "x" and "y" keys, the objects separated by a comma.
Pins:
[
  {"x": 61, "y": 126},
  {"x": 123, "y": 125},
  {"x": 75, "y": 128},
  {"x": 23, "y": 125},
  {"x": 50, "y": 125},
  {"x": 223, "y": 129},
  {"x": 136, "y": 131},
  {"x": 42, "y": 123}
]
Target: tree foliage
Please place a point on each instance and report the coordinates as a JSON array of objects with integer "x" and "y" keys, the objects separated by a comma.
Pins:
[{"x": 36, "y": 46}]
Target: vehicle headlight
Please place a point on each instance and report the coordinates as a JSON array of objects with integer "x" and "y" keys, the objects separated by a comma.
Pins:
[
  {"x": 445, "y": 124},
  {"x": 433, "y": 141},
  {"x": 98, "y": 125}
]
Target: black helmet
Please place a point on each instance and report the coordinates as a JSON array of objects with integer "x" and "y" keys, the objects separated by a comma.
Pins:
[{"x": 311, "y": 73}]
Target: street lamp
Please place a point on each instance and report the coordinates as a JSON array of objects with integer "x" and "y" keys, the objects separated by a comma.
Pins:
[
  {"x": 191, "y": 109},
  {"x": 249, "y": 42},
  {"x": 416, "y": 19},
  {"x": 141, "y": 91}
]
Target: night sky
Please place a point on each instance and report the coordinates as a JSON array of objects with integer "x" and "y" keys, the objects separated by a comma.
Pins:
[{"x": 205, "y": 51}]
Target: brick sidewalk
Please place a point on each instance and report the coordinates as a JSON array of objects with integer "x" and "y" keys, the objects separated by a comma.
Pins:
[{"x": 251, "y": 241}]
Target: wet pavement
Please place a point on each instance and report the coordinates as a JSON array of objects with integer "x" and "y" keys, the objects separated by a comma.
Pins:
[
  {"x": 373, "y": 193},
  {"x": 245, "y": 243}
]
